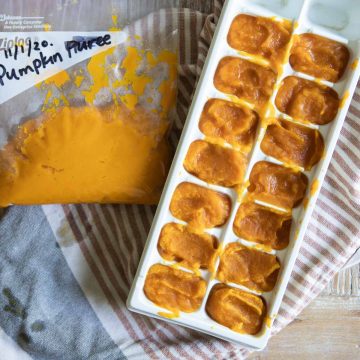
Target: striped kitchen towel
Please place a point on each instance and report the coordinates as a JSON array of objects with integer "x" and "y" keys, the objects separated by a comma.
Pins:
[{"x": 65, "y": 271}]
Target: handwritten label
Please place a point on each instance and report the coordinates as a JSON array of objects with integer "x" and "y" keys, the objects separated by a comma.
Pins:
[
  {"x": 41, "y": 61},
  {"x": 76, "y": 46},
  {"x": 28, "y": 58}
]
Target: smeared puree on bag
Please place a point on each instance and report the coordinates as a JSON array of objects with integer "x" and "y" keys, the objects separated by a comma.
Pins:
[{"x": 113, "y": 153}]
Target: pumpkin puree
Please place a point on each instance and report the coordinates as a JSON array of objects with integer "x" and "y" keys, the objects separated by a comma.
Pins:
[
  {"x": 263, "y": 225},
  {"x": 174, "y": 289},
  {"x": 236, "y": 309},
  {"x": 116, "y": 153},
  {"x": 254, "y": 269},
  {"x": 66, "y": 159}
]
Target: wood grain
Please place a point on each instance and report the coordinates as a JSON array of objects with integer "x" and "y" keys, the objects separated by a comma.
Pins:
[
  {"x": 328, "y": 329},
  {"x": 345, "y": 283}
]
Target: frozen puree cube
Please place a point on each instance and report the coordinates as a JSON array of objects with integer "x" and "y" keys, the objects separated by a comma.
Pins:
[
  {"x": 236, "y": 309},
  {"x": 263, "y": 225},
  {"x": 245, "y": 79},
  {"x": 254, "y": 269},
  {"x": 307, "y": 101},
  {"x": 260, "y": 36},
  {"x": 319, "y": 57},
  {"x": 194, "y": 250},
  {"x": 277, "y": 185},
  {"x": 200, "y": 207},
  {"x": 174, "y": 289},
  {"x": 230, "y": 122},
  {"x": 293, "y": 144},
  {"x": 215, "y": 164}
]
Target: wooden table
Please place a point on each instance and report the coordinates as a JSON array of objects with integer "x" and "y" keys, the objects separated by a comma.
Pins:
[{"x": 329, "y": 328}]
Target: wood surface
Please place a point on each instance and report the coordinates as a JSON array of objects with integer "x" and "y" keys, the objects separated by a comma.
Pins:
[{"x": 329, "y": 328}]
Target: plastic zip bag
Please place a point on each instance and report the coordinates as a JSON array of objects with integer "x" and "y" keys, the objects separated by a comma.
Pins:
[{"x": 84, "y": 116}]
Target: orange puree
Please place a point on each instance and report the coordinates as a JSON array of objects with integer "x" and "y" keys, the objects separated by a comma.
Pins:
[
  {"x": 293, "y": 144},
  {"x": 200, "y": 207},
  {"x": 85, "y": 154},
  {"x": 259, "y": 36},
  {"x": 215, "y": 164},
  {"x": 320, "y": 57},
  {"x": 262, "y": 225},
  {"x": 236, "y": 309},
  {"x": 174, "y": 289},
  {"x": 245, "y": 79},
  {"x": 277, "y": 185},
  {"x": 115, "y": 153},
  {"x": 194, "y": 250},
  {"x": 307, "y": 100},
  {"x": 251, "y": 268},
  {"x": 233, "y": 123}
]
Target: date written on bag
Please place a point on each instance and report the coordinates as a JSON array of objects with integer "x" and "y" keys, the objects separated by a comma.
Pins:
[{"x": 42, "y": 61}]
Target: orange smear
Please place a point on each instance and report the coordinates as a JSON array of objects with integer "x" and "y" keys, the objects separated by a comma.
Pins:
[
  {"x": 59, "y": 79},
  {"x": 314, "y": 187},
  {"x": 355, "y": 64},
  {"x": 172, "y": 315},
  {"x": 268, "y": 321},
  {"x": 344, "y": 98},
  {"x": 100, "y": 78}
]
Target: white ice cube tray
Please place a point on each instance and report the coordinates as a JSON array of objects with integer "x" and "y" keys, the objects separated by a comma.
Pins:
[{"x": 329, "y": 18}]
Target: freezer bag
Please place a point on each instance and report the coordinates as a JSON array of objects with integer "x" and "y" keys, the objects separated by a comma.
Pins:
[{"x": 84, "y": 115}]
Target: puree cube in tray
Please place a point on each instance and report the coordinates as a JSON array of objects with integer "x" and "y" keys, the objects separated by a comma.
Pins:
[{"x": 258, "y": 139}]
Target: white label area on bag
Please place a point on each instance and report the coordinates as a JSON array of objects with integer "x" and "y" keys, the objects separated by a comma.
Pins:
[{"x": 28, "y": 58}]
